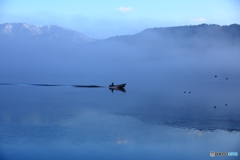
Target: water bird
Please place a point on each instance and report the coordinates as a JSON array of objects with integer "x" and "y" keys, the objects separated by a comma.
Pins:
[
  {"x": 226, "y": 78},
  {"x": 215, "y": 106},
  {"x": 184, "y": 92},
  {"x": 215, "y": 76},
  {"x": 189, "y": 92},
  {"x": 225, "y": 104}
]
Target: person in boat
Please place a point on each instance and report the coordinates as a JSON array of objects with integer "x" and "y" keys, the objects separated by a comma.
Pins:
[{"x": 111, "y": 85}]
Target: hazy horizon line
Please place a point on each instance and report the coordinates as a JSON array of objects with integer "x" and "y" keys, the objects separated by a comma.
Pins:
[{"x": 118, "y": 34}]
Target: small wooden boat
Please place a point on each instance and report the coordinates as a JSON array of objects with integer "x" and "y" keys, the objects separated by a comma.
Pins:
[{"x": 117, "y": 86}]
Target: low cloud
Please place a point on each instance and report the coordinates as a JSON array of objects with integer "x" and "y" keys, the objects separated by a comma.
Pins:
[
  {"x": 125, "y": 9},
  {"x": 199, "y": 20}
]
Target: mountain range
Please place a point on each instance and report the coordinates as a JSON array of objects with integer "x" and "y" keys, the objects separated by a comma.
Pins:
[
  {"x": 154, "y": 39},
  {"x": 19, "y": 33},
  {"x": 184, "y": 36}
]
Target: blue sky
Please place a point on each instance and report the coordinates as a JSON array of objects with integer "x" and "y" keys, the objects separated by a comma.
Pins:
[{"x": 102, "y": 19}]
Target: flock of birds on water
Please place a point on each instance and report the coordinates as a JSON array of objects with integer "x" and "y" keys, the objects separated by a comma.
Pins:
[{"x": 215, "y": 77}]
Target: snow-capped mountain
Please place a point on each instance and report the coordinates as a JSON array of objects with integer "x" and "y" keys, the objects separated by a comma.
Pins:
[{"x": 50, "y": 34}]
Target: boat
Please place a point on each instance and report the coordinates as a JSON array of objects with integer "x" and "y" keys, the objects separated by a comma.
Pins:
[{"x": 117, "y": 86}]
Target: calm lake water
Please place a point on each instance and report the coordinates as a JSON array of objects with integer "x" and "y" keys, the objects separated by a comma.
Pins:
[{"x": 154, "y": 119}]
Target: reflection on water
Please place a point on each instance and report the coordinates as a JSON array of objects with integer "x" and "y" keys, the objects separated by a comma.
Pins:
[
  {"x": 118, "y": 89},
  {"x": 73, "y": 123}
]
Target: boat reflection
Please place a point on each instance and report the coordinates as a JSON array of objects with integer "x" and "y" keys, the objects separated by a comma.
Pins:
[{"x": 117, "y": 89}]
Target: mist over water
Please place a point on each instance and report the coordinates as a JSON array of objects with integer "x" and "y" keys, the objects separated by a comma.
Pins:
[{"x": 153, "y": 117}]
